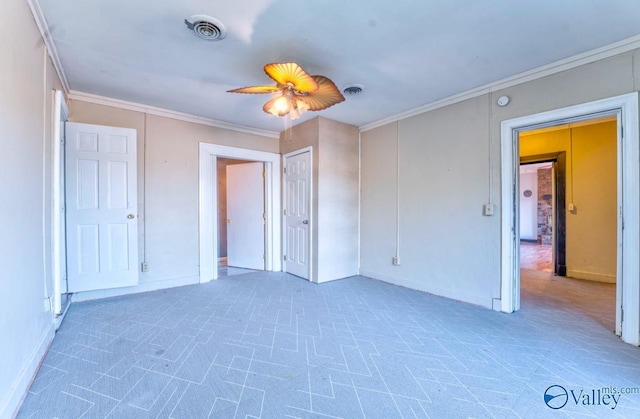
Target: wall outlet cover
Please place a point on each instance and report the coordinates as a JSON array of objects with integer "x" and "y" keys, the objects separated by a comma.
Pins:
[{"x": 487, "y": 209}]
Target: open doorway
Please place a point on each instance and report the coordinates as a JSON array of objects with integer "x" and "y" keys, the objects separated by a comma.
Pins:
[
  {"x": 208, "y": 203},
  {"x": 241, "y": 216},
  {"x": 537, "y": 216},
  {"x": 578, "y": 234},
  {"x": 625, "y": 110}
]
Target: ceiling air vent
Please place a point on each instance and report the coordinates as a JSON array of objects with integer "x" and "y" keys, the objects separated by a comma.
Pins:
[
  {"x": 353, "y": 89},
  {"x": 206, "y": 27}
]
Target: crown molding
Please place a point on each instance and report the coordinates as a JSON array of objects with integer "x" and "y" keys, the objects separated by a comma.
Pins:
[
  {"x": 166, "y": 113},
  {"x": 43, "y": 27},
  {"x": 597, "y": 54}
]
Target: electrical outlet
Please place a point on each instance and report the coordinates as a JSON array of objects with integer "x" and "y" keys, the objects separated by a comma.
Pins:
[
  {"x": 571, "y": 207},
  {"x": 487, "y": 209},
  {"x": 144, "y": 267},
  {"x": 395, "y": 260}
]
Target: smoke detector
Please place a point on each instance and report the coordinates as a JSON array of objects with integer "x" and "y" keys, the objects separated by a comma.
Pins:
[
  {"x": 353, "y": 89},
  {"x": 206, "y": 27}
]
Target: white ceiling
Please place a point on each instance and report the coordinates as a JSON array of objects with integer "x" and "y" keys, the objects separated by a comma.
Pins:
[{"x": 407, "y": 53}]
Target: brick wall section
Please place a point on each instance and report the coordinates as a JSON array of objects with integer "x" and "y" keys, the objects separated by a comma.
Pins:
[{"x": 545, "y": 206}]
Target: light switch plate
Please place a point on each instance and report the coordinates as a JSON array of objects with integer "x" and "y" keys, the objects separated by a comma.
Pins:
[{"x": 487, "y": 209}]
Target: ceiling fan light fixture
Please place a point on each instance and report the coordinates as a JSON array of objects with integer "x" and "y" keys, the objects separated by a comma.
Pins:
[
  {"x": 279, "y": 106},
  {"x": 286, "y": 104},
  {"x": 206, "y": 27},
  {"x": 299, "y": 92}
]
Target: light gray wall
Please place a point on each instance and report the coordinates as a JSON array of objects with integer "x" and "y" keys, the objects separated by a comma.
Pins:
[
  {"x": 26, "y": 85},
  {"x": 337, "y": 200},
  {"x": 167, "y": 188},
  {"x": 378, "y": 201},
  {"x": 450, "y": 167}
]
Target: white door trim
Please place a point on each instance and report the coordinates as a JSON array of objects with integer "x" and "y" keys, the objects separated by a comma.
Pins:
[
  {"x": 60, "y": 115},
  {"x": 308, "y": 149},
  {"x": 208, "y": 203},
  {"x": 625, "y": 107}
]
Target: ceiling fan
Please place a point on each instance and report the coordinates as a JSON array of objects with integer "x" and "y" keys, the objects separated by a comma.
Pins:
[{"x": 296, "y": 91}]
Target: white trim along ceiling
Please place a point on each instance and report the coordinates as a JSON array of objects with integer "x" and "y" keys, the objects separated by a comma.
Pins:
[{"x": 587, "y": 57}]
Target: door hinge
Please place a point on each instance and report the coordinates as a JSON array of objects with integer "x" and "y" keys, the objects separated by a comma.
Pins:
[
  {"x": 621, "y": 315},
  {"x": 264, "y": 175},
  {"x": 285, "y": 212},
  {"x": 284, "y": 170},
  {"x": 285, "y": 257}
]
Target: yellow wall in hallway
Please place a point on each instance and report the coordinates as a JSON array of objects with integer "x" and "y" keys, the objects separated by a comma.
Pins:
[{"x": 591, "y": 186}]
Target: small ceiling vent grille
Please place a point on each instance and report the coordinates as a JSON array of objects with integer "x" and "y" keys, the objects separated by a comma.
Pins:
[
  {"x": 353, "y": 89},
  {"x": 206, "y": 27}
]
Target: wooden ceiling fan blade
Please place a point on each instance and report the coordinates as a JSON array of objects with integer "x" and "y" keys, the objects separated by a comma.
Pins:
[
  {"x": 291, "y": 74},
  {"x": 327, "y": 95},
  {"x": 255, "y": 89}
]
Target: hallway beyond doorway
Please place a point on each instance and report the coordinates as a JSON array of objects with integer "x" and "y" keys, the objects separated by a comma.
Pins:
[{"x": 536, "y": 257}]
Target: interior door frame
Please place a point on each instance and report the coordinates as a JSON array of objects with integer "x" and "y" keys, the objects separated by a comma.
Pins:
[
  {"x": 310, "y": 236},
  {"x": 60, "y": 116},
  {"x": 625, "y": 108},
  {"x": 208, "y": 204}
]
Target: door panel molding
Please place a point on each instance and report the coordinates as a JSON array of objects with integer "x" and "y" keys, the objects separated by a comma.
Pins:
[
  {"x": 298, "y": 254},
  {"x": 101, "y": 207}
]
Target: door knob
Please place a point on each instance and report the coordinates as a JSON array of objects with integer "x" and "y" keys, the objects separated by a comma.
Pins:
[
  {"x": 131, "y": 216},
  {"x": 305, "y": 222}
]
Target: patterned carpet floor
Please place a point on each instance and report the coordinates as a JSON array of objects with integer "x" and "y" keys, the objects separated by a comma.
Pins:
[{"x": 271, "y": 345}]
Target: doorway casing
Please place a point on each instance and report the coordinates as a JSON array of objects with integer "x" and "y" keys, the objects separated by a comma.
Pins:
[
  {"x": 58, "y": 241},
  {"x": 208, "y": 215},
  {"x": 625, "y": 108}
]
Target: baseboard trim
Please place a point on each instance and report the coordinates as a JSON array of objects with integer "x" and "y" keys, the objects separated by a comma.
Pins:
[
  {"x": 58, "y": 320},
  {"x": 591, "y": 276},
  {"x": 485, "y": 302},
  {"x": 12, "y": 404},
  {"x": 141, "y": 287}
]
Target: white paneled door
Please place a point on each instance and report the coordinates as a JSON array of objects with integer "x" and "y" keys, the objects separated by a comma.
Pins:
[
  {"x": 297, "y": 214},
  {"x": 245, "y": 215},
  {"x": 102, "y": 211}
]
